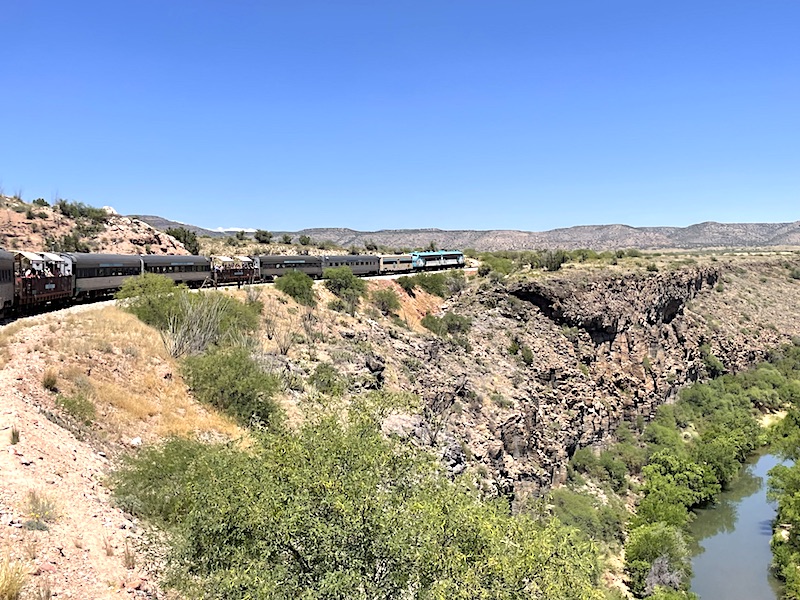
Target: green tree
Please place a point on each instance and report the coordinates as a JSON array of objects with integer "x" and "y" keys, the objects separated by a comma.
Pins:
[
  {"x": 152, "y": 298},
  {"x": 186, "y": 237},
  {"x": 658, "y": 545},
  {"x": 345, "y": 285},
  {"x": 286, "y": 238},
  {"x": 338, "y": 510},
  {"x": 385, "y": 300},
  {"x": 551, "y": 260},
  {"x": 304, "y": 240},
  {"x": 230, "y": 380},
  {"x": 263, "y": 237},
  {"x": 299, "y": 286}
]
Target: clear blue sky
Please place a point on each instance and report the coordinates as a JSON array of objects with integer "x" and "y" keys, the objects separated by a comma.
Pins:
[{"x": 375, "y": 114}]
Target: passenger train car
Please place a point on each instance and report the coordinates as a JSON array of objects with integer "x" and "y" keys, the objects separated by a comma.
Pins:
[{"x": 31, "y": 280}]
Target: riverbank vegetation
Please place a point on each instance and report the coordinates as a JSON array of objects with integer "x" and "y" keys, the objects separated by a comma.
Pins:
[
  {"x": 681, "y": 460},
  {"x": 784, "y": 486}
]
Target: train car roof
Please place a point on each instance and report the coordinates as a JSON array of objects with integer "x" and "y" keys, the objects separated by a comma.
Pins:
[
  {"x": 174, "y": 260},
  {"x": 351, "y": 256},
  {"x": 6, "y": 257},
  {"x": 86, "y": 259},
  {"x": 29, "y": 255},
  {"x": 309, "y": 258},
  {"x": 436, "y": 252}
]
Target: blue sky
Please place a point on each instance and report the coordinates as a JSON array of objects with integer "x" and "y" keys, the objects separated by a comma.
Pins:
[{"x": 452, "y": 114}]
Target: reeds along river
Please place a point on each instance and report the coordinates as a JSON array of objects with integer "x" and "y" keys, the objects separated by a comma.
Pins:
[{"x": 732, "y": 554}]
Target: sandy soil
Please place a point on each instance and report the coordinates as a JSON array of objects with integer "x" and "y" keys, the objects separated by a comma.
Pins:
[{"x": 82, "y": 553}]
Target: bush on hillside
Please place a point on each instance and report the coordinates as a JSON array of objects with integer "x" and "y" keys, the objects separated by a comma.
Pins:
[
  {"x": 345, "y": 285},
  {"x": 338, "y": 510},
  {"x": 449, "y": 324},
  {"x": 660, "y": 546},
  {"x": 262, "y": 236},
  {"x": 385, "y": 300},
  {"x": 186, "y": 237},
  {"x": 299, "y": 286},
  {"x": 438, "y": 284},
  {"x": 230, "y": 380},
  {"x": 189, "y": 323},
  {"x": 152, "y": 298}
]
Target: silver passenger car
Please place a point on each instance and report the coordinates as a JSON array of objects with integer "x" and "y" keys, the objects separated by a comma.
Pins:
[
  {"x": 191, "y": 270},
  {"x": 98, "y": 275},
  {"x": 274, "y": 265},
  {"x": 363, "y": 264}
]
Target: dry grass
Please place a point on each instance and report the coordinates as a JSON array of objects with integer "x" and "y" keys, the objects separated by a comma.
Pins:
[
  {"x": 121, "y": 366},
  {"x": 41, "y": 507},
  {"x": 7, "y": 333},
  {"x": 13, "y": 576}
]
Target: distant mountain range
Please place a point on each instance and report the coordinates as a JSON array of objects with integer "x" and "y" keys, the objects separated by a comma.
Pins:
[{"x": 597, "y": 237}]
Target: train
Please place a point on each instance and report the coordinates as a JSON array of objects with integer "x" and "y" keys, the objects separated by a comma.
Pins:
[{"x": 31, "y": 281}]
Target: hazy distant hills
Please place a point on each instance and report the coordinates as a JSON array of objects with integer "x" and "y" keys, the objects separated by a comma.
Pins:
[{"x": 598, "y": 237}]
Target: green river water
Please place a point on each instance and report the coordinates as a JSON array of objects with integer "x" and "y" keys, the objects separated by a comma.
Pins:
[{"x": 732, "y": 554}]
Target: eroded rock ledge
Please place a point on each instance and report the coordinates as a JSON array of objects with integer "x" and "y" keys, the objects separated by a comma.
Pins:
[{"x": 606, "y": 348}]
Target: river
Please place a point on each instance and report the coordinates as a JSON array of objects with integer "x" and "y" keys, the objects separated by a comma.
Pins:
[{"x": 732, "y": 554}]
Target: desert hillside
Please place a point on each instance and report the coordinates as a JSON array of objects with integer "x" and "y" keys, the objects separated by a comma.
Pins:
[
  {"x": 74, "y": 227},
  {"x": 512, "y": 373}
]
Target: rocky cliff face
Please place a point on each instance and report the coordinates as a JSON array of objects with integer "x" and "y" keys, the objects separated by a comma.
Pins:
[{"x": 557, "y": 363}]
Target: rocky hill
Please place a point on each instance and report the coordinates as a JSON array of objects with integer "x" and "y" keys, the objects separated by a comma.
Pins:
[
  {"x": 39, "y": 227},
  {"x": 596, "y": 237}
]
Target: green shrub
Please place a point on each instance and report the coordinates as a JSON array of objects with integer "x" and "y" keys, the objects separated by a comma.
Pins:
[
  {"x": 385, "y": 300},
  {"x": 190, "y": 323},
  {"x": 186, "y": 237},
  {"x": 714, "y": 366},
  {"x": 437, "y": 284},
  {"x": 595, "y": 519},
  {"x": 230, "y": 380},
  {"x": 77, "y": 210},
  {"x": 152, "y": 298},
  {"x": 493, "y": 262},
  {"x": 153, "y": 483},
  {"x": 646, "y": 545},
  {"x": 299, "y": 286},
  {"x": 336, "y": 509},
  {"x": 526, "y": 354},
  {"x": 551, "y": 260},
  {"x": 450, "y": 324},
  {"x": 262, "y": 237},
  {"x": 327, "y": 380},
  {"x": 78, "y": 406},
  {"x": 345, "y": 285}
]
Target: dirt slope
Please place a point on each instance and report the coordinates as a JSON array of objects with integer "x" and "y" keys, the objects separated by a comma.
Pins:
[{"x": 112, "y": 361}]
